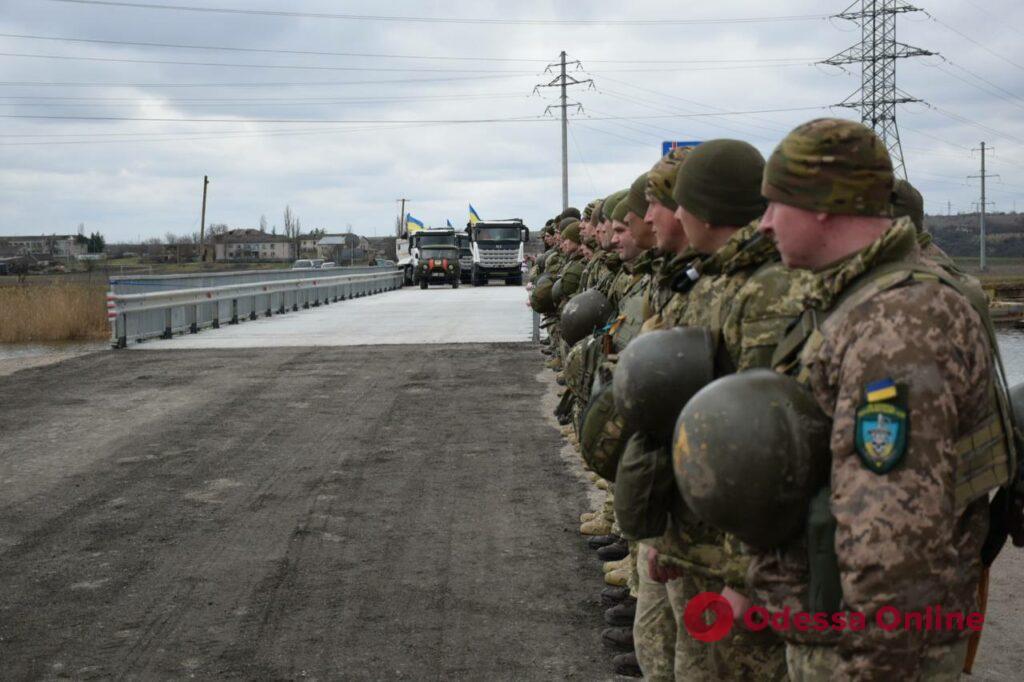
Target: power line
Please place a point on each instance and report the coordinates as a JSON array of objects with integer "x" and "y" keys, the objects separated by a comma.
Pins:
[
  {"x": 248, "y": 84},
  {"x": 376, "y": 55},
  {"x": 972, "y": 40},
  {"x": 69, "y": 102},
  {"x": 523, "y": 119},
  {"x": 453, "y": 20},
  {"x": 236, "y": 65}
]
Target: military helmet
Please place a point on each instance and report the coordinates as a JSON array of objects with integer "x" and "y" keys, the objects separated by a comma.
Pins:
[
  {"x": 604, "y": 434},
  {"x": 583, "y": 313},
  {"x": 750, "y": 450},
  {"x": 658, "y": 373},
  {"x": 556, "y": 292},
  {"x": 540, "y": 296}
]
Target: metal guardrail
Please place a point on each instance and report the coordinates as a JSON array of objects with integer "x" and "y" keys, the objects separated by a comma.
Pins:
[
  {"x": 187, "y": 310},
  {"x": 138, "y": 284}
]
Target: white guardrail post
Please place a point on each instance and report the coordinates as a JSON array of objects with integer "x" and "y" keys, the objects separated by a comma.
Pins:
[{"x": 164, "y": 313}]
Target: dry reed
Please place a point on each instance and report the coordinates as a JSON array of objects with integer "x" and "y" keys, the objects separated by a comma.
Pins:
[{"x": 54, "y": 312}]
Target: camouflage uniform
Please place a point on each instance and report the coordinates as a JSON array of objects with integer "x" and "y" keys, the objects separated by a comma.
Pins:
[
  {"x": 747, "y": 299},
  {"x": 906, "y": 537}
]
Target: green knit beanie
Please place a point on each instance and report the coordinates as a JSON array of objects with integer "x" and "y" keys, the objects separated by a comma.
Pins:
[
  {"x": 637, "y": 197},
  {"x": 608, "y": 209},
  {"x": 720, "y": 182},
  {"x": 571, "y": 231},
  {"x": 622, "y": 208}
]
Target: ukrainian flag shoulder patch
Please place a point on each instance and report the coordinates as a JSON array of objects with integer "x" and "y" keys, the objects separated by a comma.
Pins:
[{"x": 878, "y": 391}]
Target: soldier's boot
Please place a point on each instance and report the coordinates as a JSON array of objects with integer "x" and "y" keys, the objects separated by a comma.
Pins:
[
  {"x": 627, "y": 665},
  {"x": 596, "y": 527},
  {"x": 622, "y": 614},
  {"x": 554, "y": 363},
  {"x": 617, "y": 578},
  {"x": 610, "y": 566},
  {"x": 599, "y": 541},
  {"x": 560, "y": 379},
  {"x": 610, "y": 596},
  {"x": 619, "y": 638},
  {"x": 614, "y": 552},
  {"x": 547, "y": 350},
  {"x": 593, "y": 476},
  {"x": 567, "y": 429},
  {"x": 601, "y": 484},
  {"x": 586, "y": 516}
]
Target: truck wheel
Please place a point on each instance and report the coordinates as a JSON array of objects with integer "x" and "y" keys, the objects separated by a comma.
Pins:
[
  {"x": 423, "y": 284},
  {"x": 455, "y": 283}
]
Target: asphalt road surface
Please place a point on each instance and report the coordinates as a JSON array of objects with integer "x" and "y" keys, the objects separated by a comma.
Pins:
[{"x": 297, "y": 513}]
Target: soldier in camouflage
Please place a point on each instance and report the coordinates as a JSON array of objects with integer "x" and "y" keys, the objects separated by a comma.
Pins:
[
  {"x": 740, "y": 293},
  {"x": 893, "y": 340}
]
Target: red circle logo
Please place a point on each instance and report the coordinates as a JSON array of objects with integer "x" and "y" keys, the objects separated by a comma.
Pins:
[{"x": 697, "y": 625}]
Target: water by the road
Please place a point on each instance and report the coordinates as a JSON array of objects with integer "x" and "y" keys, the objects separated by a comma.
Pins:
[{"x": 1011, "y": 343}]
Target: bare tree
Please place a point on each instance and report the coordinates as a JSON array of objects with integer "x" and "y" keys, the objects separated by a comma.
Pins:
[
  {"x": 263, "y": 223},
  {"x": 289, "y": 223}
]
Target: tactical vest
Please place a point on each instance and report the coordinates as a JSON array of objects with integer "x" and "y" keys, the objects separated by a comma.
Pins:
[{"x": 986, "y": 455}]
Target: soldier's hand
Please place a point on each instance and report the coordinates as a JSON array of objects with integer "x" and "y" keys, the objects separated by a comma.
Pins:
[
  {"x": 739, "y": 603},
  {"x": 658, "y": 573}
]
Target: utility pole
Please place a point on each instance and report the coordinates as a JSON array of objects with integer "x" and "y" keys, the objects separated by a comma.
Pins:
[
  {"x": 982, "y": 264},
  {"x": 563, "y": 81},
  {"x": 877, "y": 53},
  {"x": 202, "y": 222},
  {"x": 401, "y": 218},
  {"x": 949, "y": 208}
]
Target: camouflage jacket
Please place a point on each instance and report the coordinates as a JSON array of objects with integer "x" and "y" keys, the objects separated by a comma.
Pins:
[
  {"x": 747, "y": 299},
  {"x": 592, "y": 269},
  {"x": 631, "y": 302},
  {"x": 609, "y": 273},
  {"x": 536, "y": 271},
  {"x": 661, "y": 294},
  {"x": 901, "y": 539},
  {"x": 554, "y": 263},
  {"x": 570, "y": 276}
]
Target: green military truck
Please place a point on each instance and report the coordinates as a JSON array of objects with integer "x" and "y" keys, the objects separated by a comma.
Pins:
[{"x": 436, "y": 257}]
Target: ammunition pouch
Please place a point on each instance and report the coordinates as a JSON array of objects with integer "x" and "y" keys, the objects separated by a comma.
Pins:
[{"x": 644, "y": 489}]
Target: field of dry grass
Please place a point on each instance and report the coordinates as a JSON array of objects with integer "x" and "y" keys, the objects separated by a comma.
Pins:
[{"x": 55, "y": 312}]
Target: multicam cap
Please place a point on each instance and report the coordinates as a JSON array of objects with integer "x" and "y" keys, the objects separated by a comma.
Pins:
[
  {"x": 570, "y": 230},
  {"x": 608, "y": 208},
  {"x": 595, "y": 216},
  {"x": 831, "y": 165},
  {"x": 636, "y": 199},
  {"x": 662, "y": 178},
  {"x": 907, "y": 201},
  {"x": 588, "y": 211}
]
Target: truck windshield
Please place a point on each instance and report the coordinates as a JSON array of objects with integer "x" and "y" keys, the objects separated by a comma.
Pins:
[
  {"x": 493, "y": 234},
  {"x": 428, "y": 240},
  {"x": 437, "y": 252}
]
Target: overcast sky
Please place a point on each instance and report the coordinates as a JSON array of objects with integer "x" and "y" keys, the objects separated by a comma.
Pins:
[{"x": 343, "y": 136}]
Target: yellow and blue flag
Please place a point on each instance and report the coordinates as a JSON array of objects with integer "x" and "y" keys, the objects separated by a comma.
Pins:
[
  {"x": 474, "y": 217},
  {"x": 885, "y": 389},
  {"x": 412, "y": 224}
]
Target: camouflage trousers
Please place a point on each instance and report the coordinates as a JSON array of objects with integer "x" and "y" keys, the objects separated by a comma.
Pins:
[
  {"x": 666, "y": 651},
  {"x": 663, "y": 648},
  {"x": 818, "y": 663}
]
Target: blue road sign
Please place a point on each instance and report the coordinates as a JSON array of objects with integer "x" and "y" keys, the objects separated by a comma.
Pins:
[{"x": 666, "y": 147}]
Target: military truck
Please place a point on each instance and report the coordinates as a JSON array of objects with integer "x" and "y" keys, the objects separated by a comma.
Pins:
[
  {"x": 497, "y": 247},
  {"x": 465, "y": 256},
  {"x": 436, "y": 257}
]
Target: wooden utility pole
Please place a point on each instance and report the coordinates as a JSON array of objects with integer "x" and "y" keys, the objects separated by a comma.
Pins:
[
  {"x": 202, "y": 222},
  {"x": 401, "y": 219}
]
